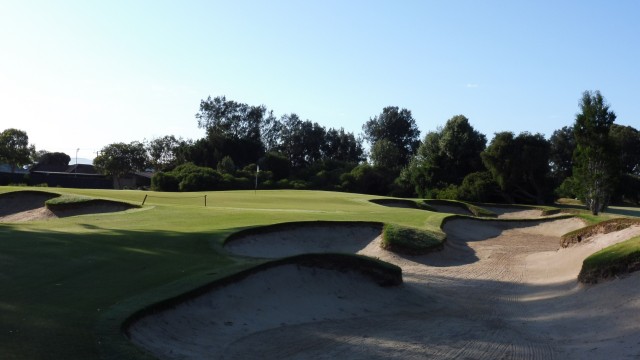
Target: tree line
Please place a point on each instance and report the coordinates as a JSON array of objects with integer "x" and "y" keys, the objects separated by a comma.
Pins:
[{"x": 594, "y": 159}]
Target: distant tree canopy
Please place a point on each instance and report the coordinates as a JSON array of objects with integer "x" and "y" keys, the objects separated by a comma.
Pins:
[
  {"x": 520, "y": 166},
  {"x": 120, "y": 159},
  {"x": 14, "y": 148},
  {"x": 54, "y": 158},
  {"x": 446, "y": 156},
  {"x": 396, "y": 126}
]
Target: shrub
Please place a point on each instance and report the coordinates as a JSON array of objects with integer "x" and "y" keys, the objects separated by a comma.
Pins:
[{"x": 164, "y": 182}]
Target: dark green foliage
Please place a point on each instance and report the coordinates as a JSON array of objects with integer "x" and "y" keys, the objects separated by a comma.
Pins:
[
  {"x": 627, "y": 142},
  {"x": 54, "y": 158},
  {"x": 277, "y": 163},
  {"x": 226, "y": 166},
  {"x": 563, "y": 144},
  {"x": 595, "y": 160},
  {"x": 365, "y": 179},
  {"x": 396, "y": 126},
  {"x": 445, "y": 157},
  {"x": 478, "y": 187},
  {"x": 520, "y": 166},
  {"x": 14, "y": 148},
  {"x": 164, "y": 182},
  {"x": 120, "y": 159}
]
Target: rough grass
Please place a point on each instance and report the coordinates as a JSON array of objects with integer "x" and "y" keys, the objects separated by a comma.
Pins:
[
  {"x": 411, "y": 241},
  {"x": 611, "y": 262}
]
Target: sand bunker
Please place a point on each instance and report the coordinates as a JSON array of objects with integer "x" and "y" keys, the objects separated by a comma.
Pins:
[
  {"x": 304, "y": 238},
  {"x": 497, "y": 290},
  {"x": 22, "y": 206}
]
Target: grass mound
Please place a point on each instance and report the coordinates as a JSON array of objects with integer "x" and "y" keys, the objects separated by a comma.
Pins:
[
  {"x": 411, "y": 241},
  {"x": 603, "y": 227},
  {"x": 619, "y": 259}
]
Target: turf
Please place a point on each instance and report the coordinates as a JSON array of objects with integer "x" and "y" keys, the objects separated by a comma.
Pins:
[
  {"x": 68, "y": 284},
  {"x": 612, "y": 261}
]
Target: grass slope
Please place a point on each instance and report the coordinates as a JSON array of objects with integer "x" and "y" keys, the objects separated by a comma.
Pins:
[
  {"x": 612, "y": 261},
  {"x": 69, "y": 283}
]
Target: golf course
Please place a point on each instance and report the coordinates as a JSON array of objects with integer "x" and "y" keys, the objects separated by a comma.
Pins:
[{"x": 277, "y": 274}]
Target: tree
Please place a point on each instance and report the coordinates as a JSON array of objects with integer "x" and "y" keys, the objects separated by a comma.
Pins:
[
  {"x": 54, "y": 158},
  {"x": 396, "y": 126},
  {"x": 627, "y": 142},
  {"x": 120, "y": 159},
  {"x": 595, "y": 169},
  {"x": 520, "y": 166},
  {"x": 162, "y": 152},
  {"x": 301, "y": 141},
  {"x": 342, "y": 146},
  {"x": 14, "y": 148},
  {"x": 385, "y": 155},
  {"x": 234, "y": 129},
  {"x": 563, "y": 144},
  {"x": 446, "y": 156}
]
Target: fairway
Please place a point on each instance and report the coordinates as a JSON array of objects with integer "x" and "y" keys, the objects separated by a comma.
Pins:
[{"x": 497, "y": 289}]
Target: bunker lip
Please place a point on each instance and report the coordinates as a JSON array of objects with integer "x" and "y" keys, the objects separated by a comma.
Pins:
[
  {"x": 30, "y": 205},
  {"x": 295, "y": 238},
  {"x": 493, "y": 280}
]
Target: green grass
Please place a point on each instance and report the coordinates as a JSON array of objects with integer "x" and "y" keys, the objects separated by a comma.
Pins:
[
  {"x": 412, "y": 241},
  {"x": 612, "y": 261},
  {"x": 69, "y": 284}
]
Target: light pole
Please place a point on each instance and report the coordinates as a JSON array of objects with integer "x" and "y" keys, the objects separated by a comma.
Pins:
[{"x": 76, "y": 169}]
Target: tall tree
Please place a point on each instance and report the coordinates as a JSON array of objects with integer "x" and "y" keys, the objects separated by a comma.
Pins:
[
  {"x": 520, "y": 166},
  {"x": 627, "y": 141},
  {"x": 563, "y": 144},
  {"x": 162, "y": 152},
  {"x": 14, "y": 148},
  {"x": 397, "y": 126},
  {"x": 446, "y": 156},
  {"x": 342, "y": 146},
  {"x": 120, "y": 159},
  {"x": 595, "y": 169},
  {"x": 301, "y": 141},
  {"x": 233, "y": 129}
]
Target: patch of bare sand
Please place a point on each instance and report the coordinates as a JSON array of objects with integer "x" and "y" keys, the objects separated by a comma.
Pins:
[
  {"x": 305, "y": 239},
  {"x": 20, "y": 206},
  {"x": 485, "y": 296}
]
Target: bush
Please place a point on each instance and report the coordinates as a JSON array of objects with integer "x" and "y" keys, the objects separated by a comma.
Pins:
[
  {"x": 164, "y": 182},
  {"x": 478, "y": 187}
]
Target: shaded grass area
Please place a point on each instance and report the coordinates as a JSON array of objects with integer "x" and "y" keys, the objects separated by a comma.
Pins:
[
  {"x": 68, "y": 284},
  {"x": 611, "y": 262}
]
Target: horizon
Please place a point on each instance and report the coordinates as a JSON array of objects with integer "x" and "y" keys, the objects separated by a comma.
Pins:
[{"x": 86, "y": 75}]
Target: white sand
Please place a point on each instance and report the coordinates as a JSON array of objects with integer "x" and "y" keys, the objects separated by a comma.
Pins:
[{"x": 497, "y": 290}]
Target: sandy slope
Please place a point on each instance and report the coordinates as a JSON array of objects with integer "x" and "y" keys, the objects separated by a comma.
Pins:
[{"x": 497, "y": 290}]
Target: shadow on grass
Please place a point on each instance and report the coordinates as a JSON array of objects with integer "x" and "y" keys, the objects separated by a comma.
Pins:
[{"x": 56, "y": 286}]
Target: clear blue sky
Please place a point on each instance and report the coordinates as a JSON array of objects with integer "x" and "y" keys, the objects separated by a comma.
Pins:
[{"x": 84, "y": 74}]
